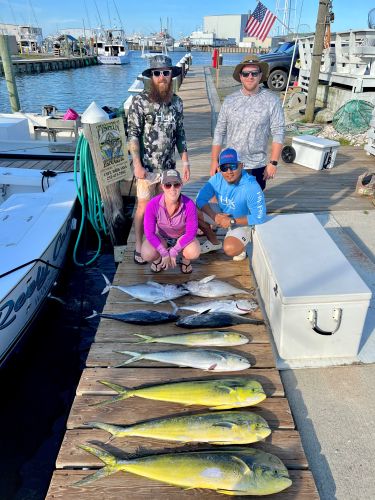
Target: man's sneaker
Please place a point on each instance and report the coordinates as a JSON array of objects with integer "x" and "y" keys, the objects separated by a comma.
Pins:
[{"x": 241, "y": 256}]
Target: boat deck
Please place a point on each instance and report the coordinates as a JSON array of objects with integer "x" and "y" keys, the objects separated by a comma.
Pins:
[{"x": 295, "y": 189}]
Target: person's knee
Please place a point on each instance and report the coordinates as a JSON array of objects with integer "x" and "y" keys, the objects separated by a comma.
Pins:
[
  {"x": 192, "y": 251},
  {"x": 232, "y": 247},
  {"x": 148, "y": 252}
]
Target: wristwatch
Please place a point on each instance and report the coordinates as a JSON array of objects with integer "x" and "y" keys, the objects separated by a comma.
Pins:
[
  {"x": 273, "y": 162},
  {"x": 233, "y": 222}
]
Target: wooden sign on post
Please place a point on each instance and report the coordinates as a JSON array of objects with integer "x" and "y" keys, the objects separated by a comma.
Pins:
[{"x": 109, "y": 152}]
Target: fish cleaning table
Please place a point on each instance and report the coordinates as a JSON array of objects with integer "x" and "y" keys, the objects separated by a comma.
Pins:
[{"x": 73, "y": 463}]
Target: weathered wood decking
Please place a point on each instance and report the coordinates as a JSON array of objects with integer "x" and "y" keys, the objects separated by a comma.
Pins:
[{"x": 295, "y": 189}]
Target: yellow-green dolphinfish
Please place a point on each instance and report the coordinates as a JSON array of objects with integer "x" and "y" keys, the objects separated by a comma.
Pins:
[
  {"x": 222, "y": 394},
  {"x": 237, "y": 471},
  {"x": 224, "y": 427}
]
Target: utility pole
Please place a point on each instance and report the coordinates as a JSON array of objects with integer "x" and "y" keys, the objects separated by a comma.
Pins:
[
  {"x": 9, "y": 73},
  {"x": 316, "y": 58}
]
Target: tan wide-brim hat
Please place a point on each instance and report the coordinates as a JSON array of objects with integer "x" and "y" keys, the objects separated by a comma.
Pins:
[{"x": 251, "y": 59}]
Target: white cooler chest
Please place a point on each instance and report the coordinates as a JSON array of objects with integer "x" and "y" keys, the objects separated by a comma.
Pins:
[
  {"x": 315, "y": 152},
  {"x": 315, "y": 301}
]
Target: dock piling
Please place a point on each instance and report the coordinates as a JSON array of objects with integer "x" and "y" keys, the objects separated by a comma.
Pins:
[{"x": 9, "y": 73}]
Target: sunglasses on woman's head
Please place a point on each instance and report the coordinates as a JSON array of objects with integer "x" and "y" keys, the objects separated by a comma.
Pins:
[
  {"x": 168, "y": 185},
  {"x": 228, "y": 166},
  {"x": 246, "y": 74},
  {"x": 164, "y": 72}
]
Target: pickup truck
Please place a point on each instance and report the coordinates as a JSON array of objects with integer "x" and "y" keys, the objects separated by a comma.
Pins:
[{"x": 279, "y": 61}]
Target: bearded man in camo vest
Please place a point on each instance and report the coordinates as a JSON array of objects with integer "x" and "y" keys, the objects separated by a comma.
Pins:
[{"x": 155, "y": 130}]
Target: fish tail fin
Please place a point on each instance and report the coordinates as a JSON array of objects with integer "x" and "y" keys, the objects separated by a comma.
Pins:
[
  {"x": 110, "y": 461},
  {"x": 107, "y": 284},
  {"x": 135, "y": 356},
  {"x": 253, "y": 321},
  {"x": 111, "y": 428},
  {"x": 123, "y": 393},
  {"x": 146, "y": 339},
  {"x": 94, "y": 313}
]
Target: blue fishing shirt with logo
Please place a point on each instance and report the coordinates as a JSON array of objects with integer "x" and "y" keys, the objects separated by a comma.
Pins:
[{"x": 245, "y": 198}]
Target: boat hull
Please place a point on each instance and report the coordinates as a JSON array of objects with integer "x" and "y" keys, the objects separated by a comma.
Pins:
[
  {"x": 27, "y": 278},
  {"x": 124, "y": 59}
]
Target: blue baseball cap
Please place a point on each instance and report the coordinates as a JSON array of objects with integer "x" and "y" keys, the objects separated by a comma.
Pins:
[{"x": 228, "y": 155}]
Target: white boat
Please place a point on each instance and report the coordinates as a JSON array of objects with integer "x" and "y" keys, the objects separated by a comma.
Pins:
[
  {"x": 115, "y": 49},
  {"x": 153, "y": 52},
  {"x": 36, "y": 217}
]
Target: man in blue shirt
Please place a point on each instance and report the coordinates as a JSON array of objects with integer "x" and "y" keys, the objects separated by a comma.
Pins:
[{"x": 240, "y": 202}]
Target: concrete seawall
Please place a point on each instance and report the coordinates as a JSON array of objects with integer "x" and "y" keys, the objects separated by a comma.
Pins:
[{"x": 23, "y": 66}]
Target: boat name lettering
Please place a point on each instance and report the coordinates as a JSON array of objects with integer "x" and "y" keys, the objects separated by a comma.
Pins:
[
  {"x": 61, "y": 238},
  {"x": 6, "y": 310}
]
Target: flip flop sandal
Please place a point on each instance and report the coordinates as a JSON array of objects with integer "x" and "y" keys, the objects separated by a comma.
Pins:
[
  {"x": 156, "y": 266},
  {"x": 185, "y": 268},
  {"x": 137, "y": 257}
]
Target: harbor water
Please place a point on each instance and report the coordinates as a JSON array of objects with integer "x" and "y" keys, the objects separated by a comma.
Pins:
[{"x": 77, "y": 88}]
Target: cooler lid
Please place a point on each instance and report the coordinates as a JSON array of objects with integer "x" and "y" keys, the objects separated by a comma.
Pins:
[
  {"x": 306, "y": 263},
  {"x": 317, "y": 142}
]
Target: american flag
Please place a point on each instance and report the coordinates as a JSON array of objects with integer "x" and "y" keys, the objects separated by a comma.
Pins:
[{"x": 260, "y": 22}]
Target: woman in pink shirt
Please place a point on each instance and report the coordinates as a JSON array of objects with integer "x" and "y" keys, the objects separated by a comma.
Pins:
[{"x": 170, "y": 225}]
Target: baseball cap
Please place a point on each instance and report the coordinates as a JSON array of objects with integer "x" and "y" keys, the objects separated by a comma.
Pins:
[
  {"x": 171, "y": 176},
  {"x": 228, "y": 155}
]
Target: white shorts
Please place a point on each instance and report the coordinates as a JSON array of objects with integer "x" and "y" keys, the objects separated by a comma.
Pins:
[
  {"x": 149, "y": 187},
  {"x": 242, "y": 233}
]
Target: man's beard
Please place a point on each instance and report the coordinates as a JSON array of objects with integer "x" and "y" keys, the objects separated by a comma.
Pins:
[{"x": 161, "y": 95}]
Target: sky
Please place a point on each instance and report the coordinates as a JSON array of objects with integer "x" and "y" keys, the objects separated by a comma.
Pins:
[{"x": 147, "y": 16}]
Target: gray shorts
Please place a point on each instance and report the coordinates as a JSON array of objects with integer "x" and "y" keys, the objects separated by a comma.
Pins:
[{"x": 242, "y": 233}]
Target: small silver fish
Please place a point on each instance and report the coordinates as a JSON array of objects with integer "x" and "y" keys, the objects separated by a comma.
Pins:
[
  {"x": 211, "y": 287},
  {"x": 148, "y": 292},
  {"x": 228, "y": 306},
  {"x": 204, "y": 359}
]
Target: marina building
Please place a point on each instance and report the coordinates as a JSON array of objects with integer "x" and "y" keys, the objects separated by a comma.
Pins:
[
  {"x": 29, "y": 38},
  {"x": 226, "y": 26}
]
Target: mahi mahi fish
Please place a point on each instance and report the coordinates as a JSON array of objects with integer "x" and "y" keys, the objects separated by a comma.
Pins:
[
  {"x": 222, "y": 394},
  {"x": 211, "y": 287},
  {"x": 139, "y": 317},
  {"x": 224, "y": 427},
  {"x": 149, "y": 292},
  {"x": 214, "y": 338},
  {"x": 215, "y": 320},
  {"x": 230, "y": 471},
  {"x": 229, "y": 306},
  {"x": 204, "y": 359}
]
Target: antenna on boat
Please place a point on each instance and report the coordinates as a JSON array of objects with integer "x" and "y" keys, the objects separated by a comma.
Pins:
[
  {"x": 99, "y": 17},
  {"x": 118, "y": 15}
]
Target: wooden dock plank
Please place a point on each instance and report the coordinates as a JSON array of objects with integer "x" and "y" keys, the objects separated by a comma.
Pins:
[
  {"x": 129, "y": 486},
  {"x": 286, "y": 444},
  {"x": 114, "y": 331},
  {"x": 106, "y": 354},
  {"x": 136, "y": 377},
  {"x": 275, "y": 410}
]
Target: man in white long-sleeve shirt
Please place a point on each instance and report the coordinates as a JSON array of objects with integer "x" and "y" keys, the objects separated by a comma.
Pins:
[{"x": 248, "y": 119}]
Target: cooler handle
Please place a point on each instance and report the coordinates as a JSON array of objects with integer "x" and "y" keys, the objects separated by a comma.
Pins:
[{"x": 313, "y": 318}]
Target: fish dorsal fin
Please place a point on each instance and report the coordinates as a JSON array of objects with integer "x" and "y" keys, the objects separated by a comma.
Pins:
[{"x": 207, "y": 279}]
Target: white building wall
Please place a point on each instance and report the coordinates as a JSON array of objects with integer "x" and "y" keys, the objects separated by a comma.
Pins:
[{"x": 226, "y": 26}]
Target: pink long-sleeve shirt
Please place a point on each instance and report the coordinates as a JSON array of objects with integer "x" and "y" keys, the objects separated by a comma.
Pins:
[{"x": 182, "y": 225}]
